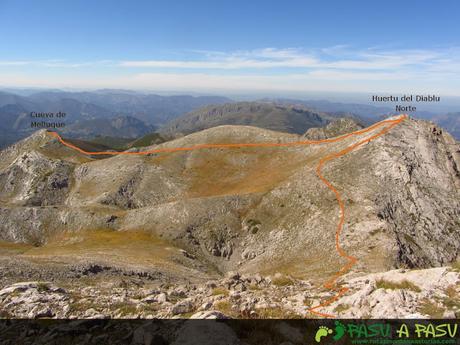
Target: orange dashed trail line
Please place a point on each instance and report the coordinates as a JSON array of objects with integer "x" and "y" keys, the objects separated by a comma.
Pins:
[
  {"x": 331, "y": 284},
  {"x": 351, "y": 260}
]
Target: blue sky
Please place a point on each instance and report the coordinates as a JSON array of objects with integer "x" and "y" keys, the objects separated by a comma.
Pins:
[{"x": 239, "y": 46}]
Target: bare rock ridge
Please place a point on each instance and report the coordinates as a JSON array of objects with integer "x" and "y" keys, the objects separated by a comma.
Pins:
[
  {"x": 333, "y": 129},
  {"x": 408, "y": 181},
  {"x": 397, "y": 293},
  {"x": 426, "y": 207},
  {"x": 192, "y": 216}
]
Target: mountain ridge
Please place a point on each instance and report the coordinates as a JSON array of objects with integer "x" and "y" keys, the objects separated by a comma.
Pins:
[
  {"x": 153, "y": 110},
  {"x": 258, "y": 210},
  {"x": 290, "y": 119}
]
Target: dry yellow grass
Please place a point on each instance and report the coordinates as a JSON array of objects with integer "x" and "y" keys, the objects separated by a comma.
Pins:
[
  {"x": 313, "y": 266},
  {"x": 404, "y": 284},
  {"x": 219, "y": 291},
  {"x": 64, "y": 153},
  {"x": 120, "y": 246},
  {"x": 9, "y": 248},
  {"x": 282, "y": 281},
  {"x": 341, "y": 308},
  {"x": 225, "y": 307},
  {"x": 240, "y": 171},
  {"x": 432, "y": 309},
  {"x": 277, "y": 313},
  {"x": 456, "y": 266}
]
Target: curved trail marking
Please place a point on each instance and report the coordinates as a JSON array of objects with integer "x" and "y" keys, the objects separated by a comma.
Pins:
[
  {"x": 351, "y": 260},
  {"x": 330, "y": 284}
]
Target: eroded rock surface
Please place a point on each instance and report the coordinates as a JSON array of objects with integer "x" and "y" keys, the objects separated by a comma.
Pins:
[{"x": 189, "y": 217}]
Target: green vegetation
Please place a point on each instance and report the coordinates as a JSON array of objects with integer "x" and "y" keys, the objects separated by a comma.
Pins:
[
  {"x": 219, "y": 291},
  {"x": 106, "y": 143},
  {"x": 282, "y": 281},
  {"x": 451, "y": 291},
  {"x": 277, "y": 313},
  {"x": 10, "y": 248},
  {"x": 112, "y": 142},
  {"x": 341, "y": 308},
  {"x": 456, "y": 266},
  {"x": 128, "y": 246},
  {"x": 404, "y": 284},
  {"x": 432, "y": 309},
  {"x": 149, "y": 139},
  {"x": 282, "y": 118},
  {"x": 47, "y": 174},
  {"x": 80, "y": 307},
  {"x": 452, "y": 301},
  {"x": 254, "y": 225},
  {"x": 224, "y": 307},
  {"x": 375, "y": 231},
  {"x": 410, "y": 239},
  {"x": 125, "y": 309},
  {"x": 88, "y": 145},
  {"x": 42, "y": 287},
  {"x": 187, "y": 315},
  {"x": 307, "y": 302}
]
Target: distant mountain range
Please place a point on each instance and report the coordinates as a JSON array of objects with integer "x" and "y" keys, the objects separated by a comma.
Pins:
[
  {"x": 96, "y": 113},
  {"x": 268, "y": 115},
  {"x": 124, "y": 114},
  {"x": 362, "y": 110},
  {"x": 369, "y": 113},
  {"x": 150, "y": 108},
  {"x": 118, "y": 127}
]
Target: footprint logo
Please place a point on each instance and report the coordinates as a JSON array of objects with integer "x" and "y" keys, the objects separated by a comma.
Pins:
[
  {"x": 339, "y": 330},
  {"x": 322, "y": 331}
]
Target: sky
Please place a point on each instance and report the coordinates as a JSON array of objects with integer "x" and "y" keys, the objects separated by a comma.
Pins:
[{"x": 233, "y": 46}]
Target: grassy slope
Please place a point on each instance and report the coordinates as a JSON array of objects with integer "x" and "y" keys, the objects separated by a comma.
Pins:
[
  {"x": 112, "y": 142},
  {"x": 104, "y": 143},
  {"x": 147, "y": 140}
]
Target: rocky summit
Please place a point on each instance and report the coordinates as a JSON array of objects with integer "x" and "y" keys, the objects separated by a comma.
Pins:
[{"x": 244, "y": 231}]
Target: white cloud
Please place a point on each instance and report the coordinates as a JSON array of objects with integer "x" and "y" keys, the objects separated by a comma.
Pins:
[
  {"x": 14, "y": 63},
  {"x": 334, "y": 58},
  {"x": 348, "y": 75},
  {"x": 334, "y": 81},
  {"x": 56, "y": 63},
  {"x": 256, "y": 59},
  {"x": 339, "y": 57},
  {"x": 337, "y": 68}
]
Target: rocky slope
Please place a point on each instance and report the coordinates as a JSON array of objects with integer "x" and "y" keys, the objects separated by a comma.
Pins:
[
  {"x": 115, "y": 293},
  {"x": 118, "y": 127},
  {"x": 333, "y": 129},
  {"x": 190, "y": 216},
  {"x": 449, "y": 121}
]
